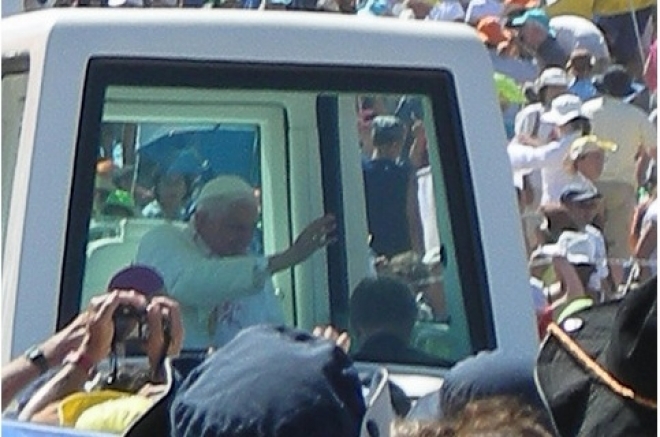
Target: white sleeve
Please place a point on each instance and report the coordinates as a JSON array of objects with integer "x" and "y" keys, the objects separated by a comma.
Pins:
[
  {"x": 194, "y": 279},
  {"x": 526, "y": 157}
]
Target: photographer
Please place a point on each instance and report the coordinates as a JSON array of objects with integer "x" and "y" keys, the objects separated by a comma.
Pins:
[{"x": 96, "y": 344}]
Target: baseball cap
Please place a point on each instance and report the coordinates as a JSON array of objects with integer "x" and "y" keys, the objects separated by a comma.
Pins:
[
  {"x": 579, "y": 193},
  {"x": 537, "y": 15},
  {"x": 478, "y": 9},
  {"x": 589, "y": 143}
]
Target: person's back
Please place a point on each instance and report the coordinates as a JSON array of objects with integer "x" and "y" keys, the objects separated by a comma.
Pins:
[
  {"x": 386, "y": 187},
  {"x": 628, "y": 127}
]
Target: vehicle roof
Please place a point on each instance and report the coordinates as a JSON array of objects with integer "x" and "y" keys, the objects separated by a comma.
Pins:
[{"x": 322, "y": 38}]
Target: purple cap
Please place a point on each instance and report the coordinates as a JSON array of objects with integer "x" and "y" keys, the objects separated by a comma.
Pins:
[{"x": 137, "y": 277}]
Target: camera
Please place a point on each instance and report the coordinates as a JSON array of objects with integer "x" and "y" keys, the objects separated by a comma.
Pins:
[{"x": 127, "y": 320}]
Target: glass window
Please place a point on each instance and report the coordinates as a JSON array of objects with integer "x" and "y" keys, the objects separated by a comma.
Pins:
[
  {"x": 380, "y": 150},
  {"x": 14, "y": 88}
]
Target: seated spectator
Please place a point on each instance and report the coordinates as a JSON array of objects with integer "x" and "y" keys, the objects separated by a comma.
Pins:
[
  {"x": 492, "y": 416},
  {"x": 382, "y": 315},
  {"x": 271, "y": 382},
  {"x": 597, "y": 370},
  {"x": 171, "y": 192},
  {"x": 644, "y": 235}
]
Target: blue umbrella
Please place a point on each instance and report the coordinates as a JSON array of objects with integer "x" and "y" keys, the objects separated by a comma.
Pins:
[{"x": 220, "y": 149}]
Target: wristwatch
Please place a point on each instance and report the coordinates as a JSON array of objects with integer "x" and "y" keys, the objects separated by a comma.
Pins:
[{"x": 36, "y": 356}]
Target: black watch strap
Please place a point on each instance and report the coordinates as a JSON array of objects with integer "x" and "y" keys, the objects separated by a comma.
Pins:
[{"x": 36, "y": 356}]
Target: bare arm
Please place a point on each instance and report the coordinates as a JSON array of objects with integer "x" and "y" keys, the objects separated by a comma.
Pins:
[
  {"x": 20, "y": 372},
  {"x": 647, "y": 243},
  {"x": 95, "y": 346}
]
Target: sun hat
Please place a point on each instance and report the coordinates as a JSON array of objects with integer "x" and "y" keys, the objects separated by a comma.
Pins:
[
  {"x": 536, "y": 15},
  {"x": 589, "y": 143},
  {"x": 552, "y": 76},
  {"x": 563, "y": 109},
  {"x": 597, "y": 369}
]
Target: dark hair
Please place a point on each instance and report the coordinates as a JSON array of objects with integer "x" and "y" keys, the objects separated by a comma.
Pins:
[
  {"x": 497, "y": 416},
  {"x": 382, "y": 302},
  {"x": 159, "y": 176},
  {"x": 581, "y": 124}
]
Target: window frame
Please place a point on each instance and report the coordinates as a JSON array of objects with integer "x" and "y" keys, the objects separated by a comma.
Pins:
[{"x": 439, "y": 85}]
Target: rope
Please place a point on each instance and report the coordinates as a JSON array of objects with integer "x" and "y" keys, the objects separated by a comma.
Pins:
[{"x": 596, "y": 369}]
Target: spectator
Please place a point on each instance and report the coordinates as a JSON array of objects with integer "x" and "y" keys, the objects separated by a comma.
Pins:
[
  {"x": 391, "y": 192},
  {"x": 536, "y": 34},
  {"x": 494, "y": 416},
  {"x": 597, "y": 369},
  {"x": 39, "y": 359},
  {"x": 206, "y": 268},
  {"x": 586, "y": 158},
  {"x": 581, "y": 205},
  {"x": 498, "y": 41},
  {"x": 482, "y": 376},
  {"x": 382, "y": 314},
  {"x": 627, "y": 126},
  {"x": 645, "y": 235},
  {"x": 574, "y": 33},
  {"x": 580, "y": 68},
  {"x": 529, "y": 124},
  {"x": 67, "y": 384},
  {"x": 171, "y": 192},
  {"x": 571, "y": 123},
  {"x": 271, "y": 382}
]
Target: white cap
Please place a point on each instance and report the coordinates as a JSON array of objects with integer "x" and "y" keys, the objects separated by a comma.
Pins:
[
  {"x": 553, "y": 76},
  {"x": 563, "y": 109},
  {"x": 229, "y": 187},
  {"x": 576, "y": 247}
]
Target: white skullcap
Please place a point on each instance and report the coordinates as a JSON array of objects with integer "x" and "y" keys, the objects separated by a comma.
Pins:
[{"x": 227, "y": 187}]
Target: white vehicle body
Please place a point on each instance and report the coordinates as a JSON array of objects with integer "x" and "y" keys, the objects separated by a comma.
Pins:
[{"x": 41, "y": 160}]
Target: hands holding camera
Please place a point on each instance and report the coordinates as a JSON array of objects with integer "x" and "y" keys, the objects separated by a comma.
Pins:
[{"x": 100, "y": 324}]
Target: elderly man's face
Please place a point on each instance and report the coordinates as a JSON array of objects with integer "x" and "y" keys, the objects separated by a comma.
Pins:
[{"x": 229, "y": 232}]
